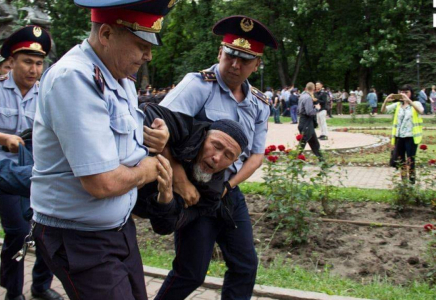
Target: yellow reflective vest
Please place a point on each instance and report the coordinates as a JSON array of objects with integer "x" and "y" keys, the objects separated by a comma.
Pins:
[{"x": 417, "y": 125}]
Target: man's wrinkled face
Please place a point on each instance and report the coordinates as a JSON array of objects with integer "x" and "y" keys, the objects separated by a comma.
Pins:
[
  {"x": 235, "y": 70},
  {"x": 128, "y": 52},
  {"x": 219, "y": 151},
  {"x": 5, "y": 66},
  {"x": 27, "y": 69}
]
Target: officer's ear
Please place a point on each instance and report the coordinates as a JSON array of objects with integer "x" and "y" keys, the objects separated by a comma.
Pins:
[
  {"x": 257, "y": 63},
  {"x": 104, "y": 34},
  {"x": 220, "y": 53}
]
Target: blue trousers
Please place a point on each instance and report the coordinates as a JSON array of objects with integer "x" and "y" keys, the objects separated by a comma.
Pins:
[
  {"x": 16, "y": 229},
  {"x": 294, "y": 114},
  {"x": 194, "y": 246},
  {"x": 276, "y": 114}
]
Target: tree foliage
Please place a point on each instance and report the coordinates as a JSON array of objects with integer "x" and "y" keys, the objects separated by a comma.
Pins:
[{"x": 343, "y": 43}]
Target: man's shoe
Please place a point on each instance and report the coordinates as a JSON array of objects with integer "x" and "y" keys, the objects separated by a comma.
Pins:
[
  {"x": 323, "y": 138},
  {"x": 48, "y": 294},
  {"x": 21, "y": 297}
]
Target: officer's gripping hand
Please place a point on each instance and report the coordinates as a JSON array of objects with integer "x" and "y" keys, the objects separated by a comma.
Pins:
[
  {"x": 156, "y": 137},
  {"x": 165, "y": 180},
  {"x": 13, "y": 142}
]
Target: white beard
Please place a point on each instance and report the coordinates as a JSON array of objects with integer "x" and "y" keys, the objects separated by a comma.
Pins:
[{"x": 201, "y": 176}]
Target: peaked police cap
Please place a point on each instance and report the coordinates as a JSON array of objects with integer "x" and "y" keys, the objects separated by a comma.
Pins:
[
  {"x": 143, "y": 18},
  {"x": 30, "y": 39}
]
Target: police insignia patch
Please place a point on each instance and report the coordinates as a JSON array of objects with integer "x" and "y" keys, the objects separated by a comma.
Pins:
[
  {"x": 259, "y": 95},
  {"x": 208, "y": 75},
  {"x": 98, "y": 78},
  {"x": 3, "y": 77}
]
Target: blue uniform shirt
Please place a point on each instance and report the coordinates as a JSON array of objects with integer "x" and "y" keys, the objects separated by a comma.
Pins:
[
  {"x": 213, "y": 100},
  {"x": 85, "y": 124},
  {"x": 16, "y": 112}
]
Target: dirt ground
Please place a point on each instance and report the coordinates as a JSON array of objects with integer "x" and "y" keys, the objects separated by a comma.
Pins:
[{"x": 356, "y": 252}]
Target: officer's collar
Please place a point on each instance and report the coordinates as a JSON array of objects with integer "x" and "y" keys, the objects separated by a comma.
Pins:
[
  {"x": 245, "y": 85},
  {"x": 110, "y": 81}
]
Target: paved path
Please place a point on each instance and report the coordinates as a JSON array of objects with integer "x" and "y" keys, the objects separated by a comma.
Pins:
[
  {"x": 285, "y": 134},
  {"x": 153, "y": 285},
  {"x": 361, "y": 177}
]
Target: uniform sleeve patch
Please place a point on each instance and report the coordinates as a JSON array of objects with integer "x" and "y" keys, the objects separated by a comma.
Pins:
[
  {"x": 208, "y": 75},
  {"x": 99, "y": 79},
  {"x": 259, "y": 95},
  {"x": 4, "y": 77}
]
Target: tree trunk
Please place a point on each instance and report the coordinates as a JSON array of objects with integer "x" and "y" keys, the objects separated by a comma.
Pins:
[
  {"x": 364, "y": 78},
  {"x": 145, "y": 77},
  {"x": 309, "y": 65},
  {"x": 282, "y": 65},
  {"x": 347, "y": 81},
  {"x": 297, "y": 64}
]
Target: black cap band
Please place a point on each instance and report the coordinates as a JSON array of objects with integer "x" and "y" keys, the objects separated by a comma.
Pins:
[{"x": 233, "y": 129}]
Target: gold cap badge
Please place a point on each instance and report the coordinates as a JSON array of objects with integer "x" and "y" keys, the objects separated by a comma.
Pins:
[
  {"x": 243, "y": 43},
  {"x": 247, "y": 24},
  {"x": 35, "y": 46},
  {"x": 37, "y": 31}
]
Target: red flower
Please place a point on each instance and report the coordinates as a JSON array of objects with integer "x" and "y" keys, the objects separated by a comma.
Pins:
[
  {"x": 423, "y": 147},
  {"x": 429, "y": 227},
  {"x": 281, "y": 147},
  {"x": 301, "y": 156},
  {"x": 299, "y": 137},
  {"x": 345, "y": 129},
  {"x": 272, "y": 148},
  {"x": 272, "y": 158},
  {"x": 432, "y": 161},
  {"x": 267, "y": 151}
]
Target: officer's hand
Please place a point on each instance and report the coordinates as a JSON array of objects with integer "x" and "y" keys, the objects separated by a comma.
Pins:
[
  {"x": 156, "y": 137},
  {"x": 165, "y": 181},
  {"x": 188, "y": 192},
  {"x": 317, "y": 106},
  {"x": 12, "y": 142}
]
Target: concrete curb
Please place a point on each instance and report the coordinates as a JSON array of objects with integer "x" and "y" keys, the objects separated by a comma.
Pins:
[{"x": 259, "y": 290}]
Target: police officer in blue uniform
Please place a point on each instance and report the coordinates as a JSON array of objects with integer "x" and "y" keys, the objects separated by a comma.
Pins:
[
  {"x": 222, "y": 92},
  {"x": 89, "y": 153},
  {"x": 25, "y": 50}
]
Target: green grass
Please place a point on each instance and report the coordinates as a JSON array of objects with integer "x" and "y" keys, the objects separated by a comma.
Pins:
[
  {"x": 360, "y": 121},
  {"x": 351, "y": 194},
  {"x": 284, "y": 273}
]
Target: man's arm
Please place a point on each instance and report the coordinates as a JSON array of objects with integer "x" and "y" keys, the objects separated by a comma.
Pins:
[
  {"x": 248, "y": 168},
  {"x": 181, "y": 183},
  {"x": 121, "y": 180}
]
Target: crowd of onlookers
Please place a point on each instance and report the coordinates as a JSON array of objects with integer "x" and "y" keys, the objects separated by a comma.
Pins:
[
  {"x": 284, "y": 101},
  {"x": 153, "y": 95}
]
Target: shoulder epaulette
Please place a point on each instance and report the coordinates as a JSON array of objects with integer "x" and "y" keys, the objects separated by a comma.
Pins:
[
  {"x": 132, "y": 78},
  {"x": 99, "y": 79},
  {"x": 208, "y": 75},
  {"x": 259, "y": 95},
  {"x": 4, "y": 77}
]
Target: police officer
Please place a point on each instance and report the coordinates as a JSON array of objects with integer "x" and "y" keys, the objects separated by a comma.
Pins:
[
  {"x": 222, "y": 92},
  {"x": 89, "y": 153},
  {"x": 24, "y": 51},
  {"x": 5, "y": 65}
]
